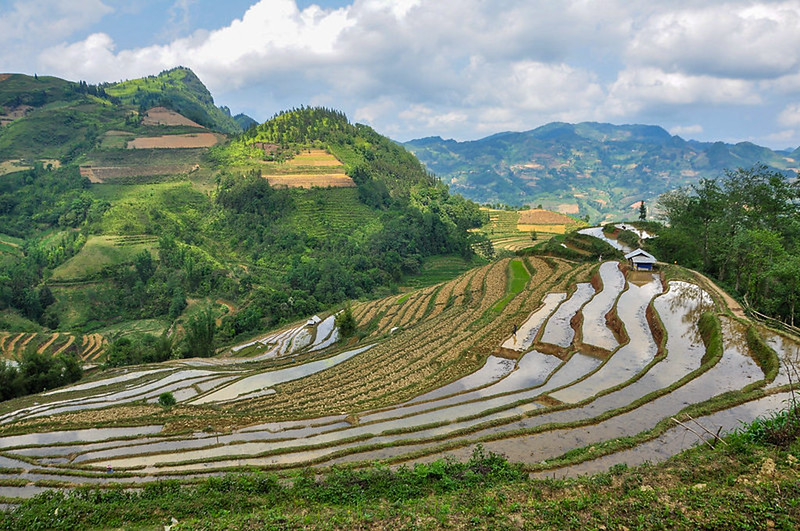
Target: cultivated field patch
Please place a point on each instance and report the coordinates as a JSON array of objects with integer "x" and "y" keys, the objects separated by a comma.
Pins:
[
  {"x": 308, "y": 169},
  {"x": 88, "y": 348},
  {"x": 105, "y": 174},
  {"x": 164, "y": 116},
  {"x": 185, "y": 141},
  {"x": 540, "y": 216},
  {"x": 101, "y": 252}
]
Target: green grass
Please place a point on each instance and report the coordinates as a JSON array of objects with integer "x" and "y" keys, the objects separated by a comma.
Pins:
[
  {"x": 142, "y": 326},
  {"x": 700, "y": 489},
  {"x": 517, "y": 280},
  {"x": 437, "y": 269},
  {"x": 327, "y": 212},
  {"x": 152, "y": 208},
  {"x": 10, "y": 245},
  {"x": 99, "y": 253}
]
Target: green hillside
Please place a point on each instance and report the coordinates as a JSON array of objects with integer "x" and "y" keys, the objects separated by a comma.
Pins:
[
  {"x": 96, "y": 233},
  {"x": 594, "y": 169},
  {"x": 178, "y": 89}
]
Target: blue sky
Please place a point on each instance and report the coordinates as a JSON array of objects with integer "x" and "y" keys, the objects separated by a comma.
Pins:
[{"x": 709, "y": 70}]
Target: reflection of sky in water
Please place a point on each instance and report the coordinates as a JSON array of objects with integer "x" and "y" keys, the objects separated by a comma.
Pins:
[
  {"x": 494, "y": 369},
  {"x": 678, "y": 438},
  {"x": 597, "y": 232},
  {"x": 788, "y": 351},
  {"x": 75, "y": 435},
  {"x": 275, "y": 377},
  {"x": 595, "y": 331},
  {"x": 631, "y": 357},
  {"x": 557, "y": 331},
  {"x": 576, "y": 367},
  {"x": 532, "y": 370},
  {"x": 526, "y": 333}
]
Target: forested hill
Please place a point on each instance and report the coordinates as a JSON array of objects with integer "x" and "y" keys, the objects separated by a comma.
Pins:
[
  {"x": 43, "y": 117},
  {"x": 594, "y": 169},
  {"x": 372, "y": 160},
  {"x": 180, "y": 90},
  {"x": 296, "y": 216}
]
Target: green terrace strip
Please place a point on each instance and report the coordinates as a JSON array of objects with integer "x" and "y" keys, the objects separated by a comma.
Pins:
[{"x": 518, "y": 278}]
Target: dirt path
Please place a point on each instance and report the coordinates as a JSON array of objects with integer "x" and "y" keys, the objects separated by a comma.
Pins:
[{"x": 730, "y": 302}]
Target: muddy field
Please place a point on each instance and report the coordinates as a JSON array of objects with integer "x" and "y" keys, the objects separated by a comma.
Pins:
[
  {"x": 539, "y": 216},
  {"x": 102, "y": 174},
  {"x": 193, "y": 140},
  {"x": 332, "y": 180},
  {"x": 164, "y": 116}
]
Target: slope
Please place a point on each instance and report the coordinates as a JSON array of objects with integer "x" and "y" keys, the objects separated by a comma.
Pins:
[
  {"x": 600, "y": 170},
  {"x": 182, "y": 91}
]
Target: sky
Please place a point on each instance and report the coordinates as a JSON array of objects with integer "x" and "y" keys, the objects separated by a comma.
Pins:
[{"x": 707, "y": 70}]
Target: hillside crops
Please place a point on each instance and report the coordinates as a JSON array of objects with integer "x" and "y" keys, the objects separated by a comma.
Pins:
[
  {"x": 87, "y": 347},
  {"x": 308, "y": 169},
  {"x": 438, "y": 370},
  {"x": 513, "y": 230}
]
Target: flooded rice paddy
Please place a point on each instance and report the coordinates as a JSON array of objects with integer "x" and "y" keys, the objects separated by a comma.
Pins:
[{"x": 532, "y": 408}]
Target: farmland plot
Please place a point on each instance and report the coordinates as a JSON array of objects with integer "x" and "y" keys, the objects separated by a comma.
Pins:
[{"x": 440, "y": 372}]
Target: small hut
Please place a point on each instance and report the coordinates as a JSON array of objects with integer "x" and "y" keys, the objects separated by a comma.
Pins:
[{"x": 641, "y": 260}]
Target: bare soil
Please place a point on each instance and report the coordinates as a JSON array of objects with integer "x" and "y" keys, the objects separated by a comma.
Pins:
[
  {"x": 194, "y": 140},
  {"x": 101, "y": 174},
  {"x": 164, "y": 116},
  {"x": 332, "y": 180},
  {"x": 538, "y": 216}
]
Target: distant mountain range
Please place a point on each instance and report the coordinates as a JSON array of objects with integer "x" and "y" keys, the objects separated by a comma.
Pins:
[{"x": 596, "y": 169}]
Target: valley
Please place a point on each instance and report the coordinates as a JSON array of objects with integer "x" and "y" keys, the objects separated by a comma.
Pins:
[
  {"x": 185, "y": 302},
  {"x": 434, "y": 373}
]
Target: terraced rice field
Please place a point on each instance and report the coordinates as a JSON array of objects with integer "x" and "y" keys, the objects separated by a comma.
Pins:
[
  {"x": 87, "y": 347},
  {"x": 578, "y": 357},
  {"x": 511, "y": 230},
  {"x": 185, "y": 141},
  {"x": 308, "y": 169}
]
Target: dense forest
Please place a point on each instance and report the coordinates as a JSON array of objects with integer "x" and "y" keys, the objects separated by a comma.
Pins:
[{"x": 744, "y": 231}]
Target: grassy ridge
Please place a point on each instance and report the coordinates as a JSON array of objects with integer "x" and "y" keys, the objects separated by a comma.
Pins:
[{"x": 743, "y": 485}]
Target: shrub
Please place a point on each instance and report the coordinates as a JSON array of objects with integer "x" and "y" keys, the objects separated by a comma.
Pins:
[{"x": 166, "y": 400}]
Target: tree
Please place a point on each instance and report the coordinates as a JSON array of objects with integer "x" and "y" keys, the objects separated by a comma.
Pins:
[
  {"x": 642, "y": 211},
  {"x": 346, "y": 323},
  {"x": 534, "y": 236},
  {"x": 166, "y": 400},
  {"x": 200, "y": 332}
]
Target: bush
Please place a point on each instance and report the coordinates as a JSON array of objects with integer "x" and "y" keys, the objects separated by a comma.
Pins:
[
  {"x": 166, "y": 400},
  {"x": 346, "y": 323}
]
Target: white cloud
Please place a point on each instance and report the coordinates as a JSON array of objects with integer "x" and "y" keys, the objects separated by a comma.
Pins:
[
  {"x": 686, "y": 130},
  {"x": 27, "y": 26},
  {"x": 790, "y": 115},
  {"x": 785, "y": 137},
  {"x": 636, "y": 89},
  {"x": 727, "y": 39},
  {"x": 52, "y": 20},
  {"x": 470, "y": 67}
]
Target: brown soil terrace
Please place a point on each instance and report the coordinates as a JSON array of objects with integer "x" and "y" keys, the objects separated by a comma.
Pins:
[
  {"x": 164, "y": 116},
  {"x": 194, "y": 140},
  {"x": 101, "y": 174},
  {"x": 539, "y": 216}
]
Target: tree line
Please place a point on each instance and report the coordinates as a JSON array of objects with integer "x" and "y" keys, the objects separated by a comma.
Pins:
[{"x": 743, "y": 229}]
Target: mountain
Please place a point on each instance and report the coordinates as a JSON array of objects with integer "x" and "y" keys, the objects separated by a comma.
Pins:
[
  {"x": 126, "y": 207},
  {"x": 180, "y": 90},
  {"x": 595, "y": 169},
  {"x": 54, "y": 119}
]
